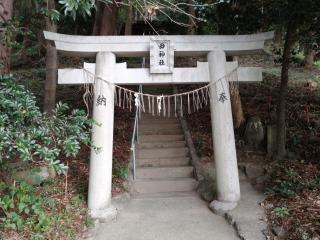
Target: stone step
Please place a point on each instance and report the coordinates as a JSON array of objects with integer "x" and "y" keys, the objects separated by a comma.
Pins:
[
  {"x": 156, "y": 131},
  {"x": 165, "y": 185},
  {"x": 165, "y": 195},
  {"x": 160, "y": 138},
  {"x": 162, "y": 162},
  {"x": 173, "y": 144},
  {"x": 156, "y": 116},
  {"x": 162, "y": 152},
  {"x": 151, "y": 126},
  {"x": 172, "y": 113},
  {"x": 159, "y": 121},
  {"x": 164, "y": 172}
]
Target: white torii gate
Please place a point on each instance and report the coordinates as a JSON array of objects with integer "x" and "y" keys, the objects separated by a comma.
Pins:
[{"x": 106, "y": 48}]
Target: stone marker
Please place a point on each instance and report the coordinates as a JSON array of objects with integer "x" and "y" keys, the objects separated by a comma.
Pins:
[
  {"x": 254, "y": 132},
  {"x": 34, "y": 176},
  {"x": 272, "y": 139}
]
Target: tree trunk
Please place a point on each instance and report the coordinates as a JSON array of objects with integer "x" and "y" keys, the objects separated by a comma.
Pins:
[
  {"x": 109, "y": 16},
  {"x": 281, "y": 108},
  {"x": 236, "y": 105},
  {"x": 191, "y": 20},
  {"x": 97, "y": 19},
  {"x": 51, "y": 67},
  {"x": 309, "y": 57},
  {"x": 128, "y": 27},
  {"x": 6, "y": 11},
  {"x": 277, "y": 38}
]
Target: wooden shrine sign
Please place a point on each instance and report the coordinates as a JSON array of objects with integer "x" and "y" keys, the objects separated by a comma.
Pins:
[{"x": 161, "y": 56}]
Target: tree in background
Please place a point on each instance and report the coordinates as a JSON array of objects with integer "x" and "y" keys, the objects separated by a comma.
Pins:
[
  {"x": 106, "y": 19},
  {"x": 106, "y": 10},
  {"x": 29, "y": 16},
  {"x": 277, "y": 37},
  {"x": 192, "y": 29},
  {"x": 236, "y": 17},
  {"x": 129, "y": 20},
  {"x": 310, "y": 43},
  {"x": 51, "y": 64},
  {"x": 6, "y": 11},
  {"x": 297, "y": 18}
]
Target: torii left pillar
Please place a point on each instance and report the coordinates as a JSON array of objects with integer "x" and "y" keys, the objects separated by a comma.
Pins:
[{"x": 100, "y": 174}]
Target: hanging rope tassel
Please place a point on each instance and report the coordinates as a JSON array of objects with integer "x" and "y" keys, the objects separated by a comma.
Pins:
[
  {"x": 164, "y": 105},
  {"x": 124, "y": 99},
  {"x": 115, "y": 96},
  {"x": 137, "y": 101},
  {"x": 119, "y": 102},
  {"x": 181, "y": 106},
  {"x": 142, "y": 103},
  {"x": 189, "y": 108},
  {"x": 194, "y": 102},
  {"x": 87, "y": 96},
  {"x": 159, "y": 98},
  {"x": 169, "y": 107},
  {"x": 207, "y": 95},
  {"x": 175, "y": 106},
  {"x": 202, "y": 97},
  {"x": 152, "y": 106},
  {"x": 130, "y": 101},
  {"x": 199, "y": 104}
]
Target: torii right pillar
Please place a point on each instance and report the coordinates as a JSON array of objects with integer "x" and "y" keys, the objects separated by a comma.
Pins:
[{"x": 227, "y": 176}]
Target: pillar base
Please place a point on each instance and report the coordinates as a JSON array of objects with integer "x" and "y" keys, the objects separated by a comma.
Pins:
[
  {"x": 220, "y": 208},
  {"x": 104, "y": 215}
]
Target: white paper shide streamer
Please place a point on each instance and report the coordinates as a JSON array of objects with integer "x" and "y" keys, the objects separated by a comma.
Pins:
[{"x": 165, "y": 105}]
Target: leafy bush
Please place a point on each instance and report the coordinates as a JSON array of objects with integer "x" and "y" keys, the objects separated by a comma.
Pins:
[
  {"x": 23, "y": 209},
  {"x": 29, "y": 135},
  {"x": 35, "y": 213},
  {"x": 281, "y": 211},
  {"x": 278, "y": 52},
  {"x": 289, "y": 181},
  {"x": 284, "y": 188},
  {"x": 120, "y": 170}
]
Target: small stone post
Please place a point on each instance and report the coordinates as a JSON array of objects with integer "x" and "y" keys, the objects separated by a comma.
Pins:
[
  {"x": 100, "y": 174},
  {"x": 223, "y": 136}
]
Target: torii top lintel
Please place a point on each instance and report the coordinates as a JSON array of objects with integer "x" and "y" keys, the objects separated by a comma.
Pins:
[{"x": 134, "y": 46}]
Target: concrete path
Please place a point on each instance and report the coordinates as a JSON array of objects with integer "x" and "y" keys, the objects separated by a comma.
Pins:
[
  {"x": 168, "y": 218},
  {"x": 248, "y": 217}
]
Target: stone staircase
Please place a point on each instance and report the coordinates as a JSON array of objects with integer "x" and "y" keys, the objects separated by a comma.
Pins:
[{"x": 162, "y": 159}]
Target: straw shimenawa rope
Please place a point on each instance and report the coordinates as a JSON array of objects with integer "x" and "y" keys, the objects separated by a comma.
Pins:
[{"x": 157, "y": 104}]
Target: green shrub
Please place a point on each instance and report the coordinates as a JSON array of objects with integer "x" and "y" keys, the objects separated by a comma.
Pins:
[
  {"x": 35, "y": 213},
  {"x": 23, "y": 209},
  {"x": 29, "y": 135},
  {"x": 119, "y": 170},
  {"x": 289, "y": 181},
  {"x": 284, "y": 188},
  {"x": 281, "y": 211}
]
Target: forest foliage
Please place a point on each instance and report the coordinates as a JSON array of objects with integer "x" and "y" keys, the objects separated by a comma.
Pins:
[{"x": 27, "y": 134}]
